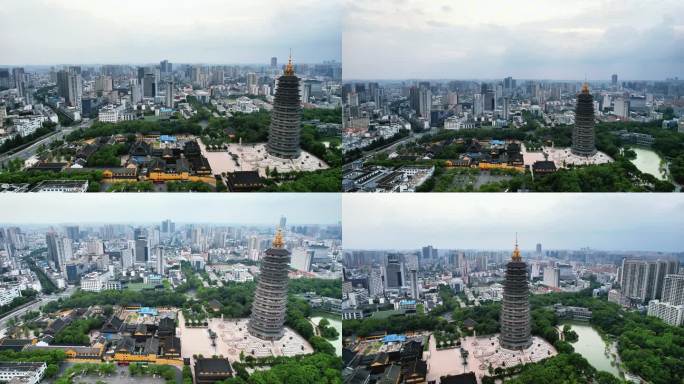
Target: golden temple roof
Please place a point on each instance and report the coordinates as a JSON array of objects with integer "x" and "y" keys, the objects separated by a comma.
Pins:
[{"x": 278, "y": 241}]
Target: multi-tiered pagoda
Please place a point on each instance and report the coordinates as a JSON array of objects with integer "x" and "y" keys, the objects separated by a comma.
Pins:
[
  {"x": 270, "y": 298},
  {"x": 515, "y": 311},
  {"x": 583, "y": 136},
  {"x": 283, "y": 136}
]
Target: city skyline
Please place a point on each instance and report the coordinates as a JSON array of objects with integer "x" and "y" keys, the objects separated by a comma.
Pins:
[
  {"x": 569, "y": 221},
  {"x": 559, "y": 41},
  {"x": 212, "y": 32},
  {"x": 262, "y": 209}
]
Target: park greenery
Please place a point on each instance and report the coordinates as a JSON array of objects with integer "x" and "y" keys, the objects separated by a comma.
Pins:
[
  {"x": 77, "y": 332},
  {"x": 245, "y": 127},
  {"x": 569, "y": 335},
  {"x": 235, "y": 298},
  {"x": 161, "y": 127},
  {"x": 445, "y": 339},
  {"x": 328, "y": 180},
  {"x": 327, "y": 331},
  {"x": 304, "y": 369},
  {"x": 563, "y": 368},
  {"x": 135, "y": 186},
  {"x": 108, "y": 155},
  {"x": 333, "y": 116},
  {"x": 146, "y": 298},
  {"x": 322, "y": 287}
]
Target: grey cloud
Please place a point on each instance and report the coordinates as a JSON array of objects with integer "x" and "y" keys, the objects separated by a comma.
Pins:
[
  {"x": 311, "y": 208},
  {"x": 637, "y": 43},
  {"x": 485, "y": 221},
  {"x": 46, "y": 32}
]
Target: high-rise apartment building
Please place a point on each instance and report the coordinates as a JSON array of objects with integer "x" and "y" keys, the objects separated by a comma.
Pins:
[
  {"x": 669, "y": 313},
  {"x": 673, "y": 289},
  {"x": 149, "y": 85},
  {"x": 393, "y": 272},
  {"x": 552, "y": 276},
  {"x": 642, "y": 280},
  {"x": 169, "y": 96},
  {"x": 69, "y": 87},
  {"x": 415, "y": 289},
  {"x": 55, "y": 250},
  {"x": 375, "y": 283}
]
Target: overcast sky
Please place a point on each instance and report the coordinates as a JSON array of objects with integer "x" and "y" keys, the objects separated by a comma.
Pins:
[
  {"x": 538, "y": 39},
  {"x": 145, "y": 31},
  {"x": 646, "y": 222},
  {"x": 253, "y": 208}
]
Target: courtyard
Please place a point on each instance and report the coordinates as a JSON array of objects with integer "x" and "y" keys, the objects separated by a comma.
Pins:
[
  {"x": 253, "y": 157},
  {"x": 563, "y": 157},
  {"x": 231, "y": 337},
  {"x": 482, "y": 352}
]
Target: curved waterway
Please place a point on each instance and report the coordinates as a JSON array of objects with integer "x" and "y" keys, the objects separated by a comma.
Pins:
[
  {"x": 592, "y": 347},
  {"x": 648, "y": 161}
]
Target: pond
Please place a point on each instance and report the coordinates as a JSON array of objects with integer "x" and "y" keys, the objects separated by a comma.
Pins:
[
  {"x": 336, "y": 323},
  {"x": 648, "y": 161},
  {"x": 592, "y": 347}
]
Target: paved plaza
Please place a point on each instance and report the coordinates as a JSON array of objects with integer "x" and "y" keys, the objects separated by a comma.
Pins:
[
  {"x": 253, "y": 157},
  {"x": 563, "y": 157},
  {"x": 482, "y": 352},
  {"x": 232, "y": 338}
]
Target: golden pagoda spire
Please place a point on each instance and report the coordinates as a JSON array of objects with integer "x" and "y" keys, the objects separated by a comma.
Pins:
[
  {"x": 278, "y": 241},
  {"x": 585, "y": 87},
  {"x": 516, "y": 252},
  {"x": 289, "y": 68}
]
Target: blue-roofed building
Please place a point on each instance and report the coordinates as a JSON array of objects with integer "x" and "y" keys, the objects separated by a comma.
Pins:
[
  {"x": 148, "y": 311},
  {"x": 164, "y": 113},
  {"x": 167, "y": 139},
  {"x": 407, "y": 305},
  {"x": 153, "y": 280},
  {"x": 394, "y": 338}
]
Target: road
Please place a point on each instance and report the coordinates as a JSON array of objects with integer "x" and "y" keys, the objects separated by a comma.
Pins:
[
  {"x": 32, "y": 149},
  {"x": 42, "y": 300},
  {"x": 412, "y": 138}
]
